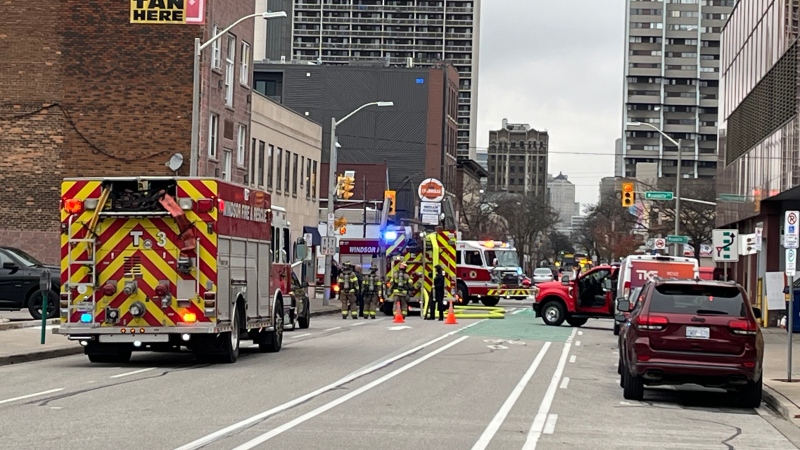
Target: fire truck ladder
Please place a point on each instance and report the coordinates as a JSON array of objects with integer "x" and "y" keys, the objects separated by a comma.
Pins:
[{"x": 91, "y": 246}]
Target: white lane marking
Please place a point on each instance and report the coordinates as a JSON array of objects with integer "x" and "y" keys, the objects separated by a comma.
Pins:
[
  {"x": 299, "y": 336},
  {"x": 23, "y": 397},
  {"x": 544, "y": 408},
  {"x": 564, "y": 383},
  {"x": 577, "y": 343},
  {"x": 580, "y": 333},
  {"x": 334, "y": 328},
  {"x": 328, "y": 406},
  {"x": 501, "y": 415},
  {"x": 357, "y": 324},
  {"x": 550, "y": 425},
  {"x": 517, "y": 311},
  {"x": 132, "y": 373},
  {"x": 572, "y": 359},
  {"x": 219, "y": 434}
]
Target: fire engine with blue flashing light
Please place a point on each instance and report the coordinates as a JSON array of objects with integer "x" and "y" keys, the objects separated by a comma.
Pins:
[
  {"x": 489, "y": 271},
  {"x": 161, "y": 263}
]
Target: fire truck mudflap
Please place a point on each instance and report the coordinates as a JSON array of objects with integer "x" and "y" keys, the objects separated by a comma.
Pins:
[{"x": 161, "y": 263}]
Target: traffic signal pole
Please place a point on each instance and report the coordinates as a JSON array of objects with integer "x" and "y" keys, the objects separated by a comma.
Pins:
[
  {"x": 331, "y": 189},
  {"x": 677, "y": 247}
]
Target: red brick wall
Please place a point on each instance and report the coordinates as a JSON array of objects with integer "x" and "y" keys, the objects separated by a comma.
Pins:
[{"x": 123, "y": 103}]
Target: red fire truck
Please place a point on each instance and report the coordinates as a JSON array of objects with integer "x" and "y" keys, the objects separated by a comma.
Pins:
[
  {"x": 160, "y": 263},
  {"x": 489, "y": 271}
]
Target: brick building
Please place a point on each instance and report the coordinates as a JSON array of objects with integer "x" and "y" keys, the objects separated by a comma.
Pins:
[{"x": 80, "y": 96}]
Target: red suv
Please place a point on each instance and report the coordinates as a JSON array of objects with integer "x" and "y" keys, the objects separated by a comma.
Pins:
[{"x": 692, "y": 331}]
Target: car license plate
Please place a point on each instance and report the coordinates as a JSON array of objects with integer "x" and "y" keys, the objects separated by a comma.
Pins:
[{"x": 697, "y": 333}]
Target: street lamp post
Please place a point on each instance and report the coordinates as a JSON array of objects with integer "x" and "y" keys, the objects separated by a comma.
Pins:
[
  {"x": 677, "y": 182},
  {"x": 332, "y": 187},
  {"x": 198, "y": 49}
]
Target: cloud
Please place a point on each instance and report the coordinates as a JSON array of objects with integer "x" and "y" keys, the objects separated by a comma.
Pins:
[{"x": 557, "y": 66}]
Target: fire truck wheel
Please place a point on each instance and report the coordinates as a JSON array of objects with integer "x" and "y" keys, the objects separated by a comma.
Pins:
[
  {"x": 553, "y": 313},
  {"x": 490, "y": 301},
  {"x": 107, "y": 353},
  {"x": 35, "y": 304},
  {"x": 462, "y": 293},
  {"x": 230, "y": 340},
  {"x": 305, "y": 321},
  {"x": 272, "y": 341}
]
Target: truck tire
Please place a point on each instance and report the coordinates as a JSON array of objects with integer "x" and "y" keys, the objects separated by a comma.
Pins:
[
  {"x": 387, "y": 308},
  {"x": 633, "y": 386},
  {"x": 305, "y": 321},
  {"x": 463, "y": 294},
  {"x": 230, "y": 340},
  {"x": 490, "y": 301},
  {"x": 750, "y": 395},
  {"x": 616, "y": 329},
  {"x": 272, "y": 341},
  {"x": 553, "y": 313},
  {"x": 108, "y": 353},
  {"x": 576, "y": 322}
]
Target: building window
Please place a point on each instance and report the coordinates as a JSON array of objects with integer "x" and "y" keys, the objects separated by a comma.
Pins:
[
  {"x": 302, "y": 171},
  {"x": 308, "y": 178},
  {"x": 261, "y": 164},
  {"x": 278, "y": 171},
  {"x": 215, "y": 50},
  {"x": 294, "y": 177},
  {"x": 252, "y": 169},
  {"x": 269, "y": 166},
  {"x": 244, "y": 66},
  {"x": 226, "y": 165},
  {"x": 314, "y": 181},
  {"x": 241, "y": 150},
  {"x": 229, "y": 57},
  {"x": 287, "y": 173},
  {"x": 213, "y": 135}
]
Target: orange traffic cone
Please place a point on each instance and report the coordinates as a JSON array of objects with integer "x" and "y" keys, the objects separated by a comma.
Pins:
[
  {"x": 398, "y": 314},
  {"x": 451, "y": 316}
]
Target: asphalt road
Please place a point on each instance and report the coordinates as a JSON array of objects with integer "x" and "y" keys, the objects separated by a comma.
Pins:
[{"x": 495, "y": 384}]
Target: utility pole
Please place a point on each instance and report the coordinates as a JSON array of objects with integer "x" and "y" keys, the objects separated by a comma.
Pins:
[{"x": 678, "y": 199}]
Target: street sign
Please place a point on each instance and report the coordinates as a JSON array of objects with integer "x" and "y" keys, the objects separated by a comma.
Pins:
[
  {"x": 660, "y": 244},
  {"x": 725, "y": 247},
  {"x": 734, "y": 198},
  {"x": 790, "y": 230},
  {"x": 791, "y": 262},
  {"x": 658, "y": 195},
  {"x": 677, "y": 239},
  {"x": 329, "y": 245}
]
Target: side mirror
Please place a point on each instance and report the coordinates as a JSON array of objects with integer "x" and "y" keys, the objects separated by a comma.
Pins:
[
  {"x": 757, "y": 312},
  {"x": 623, "y": 305},
  {"x": 300, "y": 251},
  {"x": 10, "y": 266},
  {"x": 495, "y": 262},
  {"x": 565, "y": 280}
]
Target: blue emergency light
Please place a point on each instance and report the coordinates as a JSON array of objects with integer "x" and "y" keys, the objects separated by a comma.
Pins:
[
  {"x": 86, "y": 317},
  {"x": 390, "y": 235}
]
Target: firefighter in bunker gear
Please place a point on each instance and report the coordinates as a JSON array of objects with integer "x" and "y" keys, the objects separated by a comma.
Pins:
[
  {"x": 372, "y": 292},
  {"x": 348, "y": 286},
  {"x": 401, "y": 288}
]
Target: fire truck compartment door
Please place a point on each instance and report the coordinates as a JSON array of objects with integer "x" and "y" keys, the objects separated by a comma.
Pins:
[
  {"x": 264, "y": 294},
  {"x": 251, "y": 271},
  {"x": 223, "y": 279}
]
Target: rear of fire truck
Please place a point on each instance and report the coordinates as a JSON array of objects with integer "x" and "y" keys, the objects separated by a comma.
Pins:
[{"x": 139, "y": 270}]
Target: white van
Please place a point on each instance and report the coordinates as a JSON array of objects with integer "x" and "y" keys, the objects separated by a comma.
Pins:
[{"x": 636, "y": 270}]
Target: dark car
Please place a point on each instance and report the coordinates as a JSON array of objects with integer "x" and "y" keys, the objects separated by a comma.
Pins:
[
  {"x": 19, "y": 283},
  {"x": 692, "y": 331}
]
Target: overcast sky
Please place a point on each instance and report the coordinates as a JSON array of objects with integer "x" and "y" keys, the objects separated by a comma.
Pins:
[{"x": 557, "y": 66}]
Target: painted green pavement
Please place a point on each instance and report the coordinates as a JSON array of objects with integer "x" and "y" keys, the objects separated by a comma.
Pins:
[{"x": 522, "y": 326}]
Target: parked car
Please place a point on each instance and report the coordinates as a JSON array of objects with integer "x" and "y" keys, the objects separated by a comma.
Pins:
[
  {"x": 692, "y": 331},
  {"x": 542, "y": 275},
  {"x": 19, "y": 283}
]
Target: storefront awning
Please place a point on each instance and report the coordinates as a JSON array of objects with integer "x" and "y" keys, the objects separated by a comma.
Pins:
[{"x": 316, "y": 239}]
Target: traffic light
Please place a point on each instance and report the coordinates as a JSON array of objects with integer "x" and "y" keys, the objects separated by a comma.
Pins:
[
  {"x": 340, "y": 222},
  {"x": 342, "y": 230},
  {"x": 348, "y": 184},
  {"x": 391, "y": 199},
  {"x": 628, "y": 195},
  {"x": 339, "y": 186}
]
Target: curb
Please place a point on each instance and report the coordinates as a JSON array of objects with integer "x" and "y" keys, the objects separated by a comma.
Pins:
[
  {"x": 38, "y": 356},
  {"x": 26, "y": 324},
  {"x": 782, "y": 406},
  {"x": 324, "y": 313}
]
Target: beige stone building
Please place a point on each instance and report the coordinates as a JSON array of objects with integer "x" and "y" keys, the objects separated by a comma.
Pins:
[{"x": 285, "y": 152}]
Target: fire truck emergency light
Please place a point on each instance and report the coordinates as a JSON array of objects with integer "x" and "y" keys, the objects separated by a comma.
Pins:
[
  {"x": 390, "y": 235},
  {"x": 73, "y": 206},
  {"x": 86, "y": 317}
]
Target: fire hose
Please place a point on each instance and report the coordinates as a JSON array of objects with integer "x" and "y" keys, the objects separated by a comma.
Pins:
[{"x": 461, "y": 312}]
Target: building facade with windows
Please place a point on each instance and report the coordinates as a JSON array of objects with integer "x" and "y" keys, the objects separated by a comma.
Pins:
[
  {"x": 758, "y": 168},
  {"x": 87, "y": 97},
  {"x": 420, "y": 33},
  {"x": 562, "y": 200},
  {"x": 518, "y": 159},
  {"x": 672, "y": 69},
  {"x": 285, "y": 152}
]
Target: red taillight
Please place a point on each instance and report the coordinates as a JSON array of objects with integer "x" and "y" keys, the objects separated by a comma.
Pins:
[
  {"x": 73, "y": 206},
  {"x": 109, "y": 289},
  {"x": 162, "y": 290},
  {"x": 651, "y": 322},
  {"x": 204, "y": 205},
  {"x": 743, "y": 327},
  {"x": 221, "y": 205}
]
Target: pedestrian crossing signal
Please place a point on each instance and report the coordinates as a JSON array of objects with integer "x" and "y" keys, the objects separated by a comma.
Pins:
[
  {"x": 628, "y": 195},
  {"x": 342, "y": 230}
]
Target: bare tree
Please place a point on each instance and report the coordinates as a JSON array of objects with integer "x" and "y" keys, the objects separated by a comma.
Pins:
[
  {"x": 527, "y": 217},
  {"x": 560, "y": 242},
  {"x": 607, "y": 231},
  {"x": 479, "y": 218}
]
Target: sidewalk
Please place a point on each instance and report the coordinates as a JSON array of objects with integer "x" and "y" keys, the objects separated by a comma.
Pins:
[
  {"x": 20, "y": 341},
  {"x": 780, "y": 395}
]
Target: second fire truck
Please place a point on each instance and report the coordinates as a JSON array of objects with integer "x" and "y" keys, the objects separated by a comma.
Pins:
[{"x": 160, "y": 263}]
